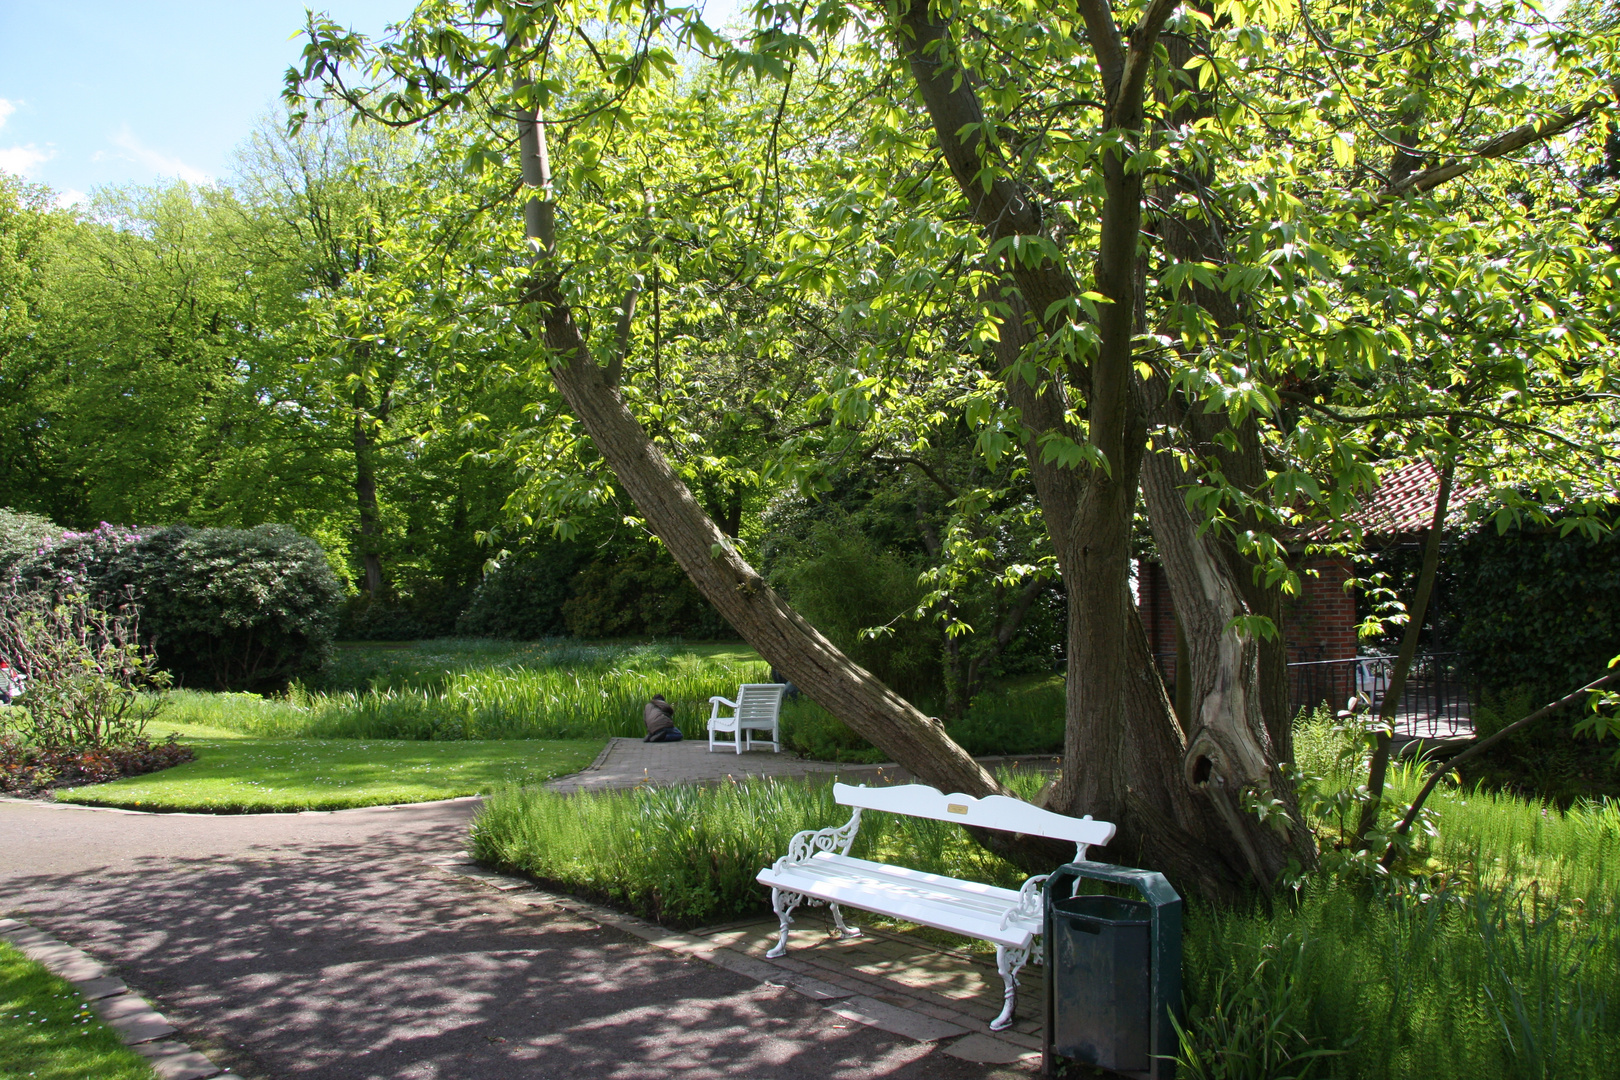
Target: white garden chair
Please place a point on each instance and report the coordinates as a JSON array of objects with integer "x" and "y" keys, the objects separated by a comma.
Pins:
[{"x": 758, "y": 708}]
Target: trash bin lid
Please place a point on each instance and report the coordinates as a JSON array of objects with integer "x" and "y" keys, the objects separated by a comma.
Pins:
[{"x": 1109, "y": 910}]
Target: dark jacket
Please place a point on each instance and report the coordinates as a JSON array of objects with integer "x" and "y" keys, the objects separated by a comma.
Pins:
[{"x": 659, "y": 715}]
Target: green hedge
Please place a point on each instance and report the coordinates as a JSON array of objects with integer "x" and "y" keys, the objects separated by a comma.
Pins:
[
  {"x": 1536, "y": 611},
  {"x": 225, "y": 609}
]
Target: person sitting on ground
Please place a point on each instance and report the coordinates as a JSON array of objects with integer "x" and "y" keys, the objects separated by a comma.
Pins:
[{"x": 659, "y": 716}]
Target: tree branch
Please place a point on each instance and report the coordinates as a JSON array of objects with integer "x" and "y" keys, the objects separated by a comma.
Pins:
[{"x": 1518, "y": 138}]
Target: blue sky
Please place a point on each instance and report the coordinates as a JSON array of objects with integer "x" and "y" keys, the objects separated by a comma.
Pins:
[{"x": 95, "y": 93}]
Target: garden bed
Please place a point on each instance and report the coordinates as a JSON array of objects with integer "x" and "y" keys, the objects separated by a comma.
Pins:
[{"x": 36, "y": 771}]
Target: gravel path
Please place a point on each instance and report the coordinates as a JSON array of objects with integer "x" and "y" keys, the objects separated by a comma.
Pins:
[{"x": 323, "y": 945}]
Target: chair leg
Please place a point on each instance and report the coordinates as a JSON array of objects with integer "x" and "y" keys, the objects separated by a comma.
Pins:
[
  {"x": 1008, "y": 961},
  {"x": 783, "y": 904}
]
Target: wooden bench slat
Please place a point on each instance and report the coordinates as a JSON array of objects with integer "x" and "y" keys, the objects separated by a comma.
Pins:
[
  {"x": 946, "y": 891},
  {"x": 994, "y": 812},
  {"x": 884, "y": 899}
]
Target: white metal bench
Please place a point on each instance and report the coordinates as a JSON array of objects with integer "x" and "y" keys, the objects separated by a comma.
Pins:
[
  {"x": 758, "y": 708},
  {"x": 818, "y": 869}
]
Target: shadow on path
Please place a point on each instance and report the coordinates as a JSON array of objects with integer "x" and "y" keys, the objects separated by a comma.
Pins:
[{"x": 321, "y": 946}]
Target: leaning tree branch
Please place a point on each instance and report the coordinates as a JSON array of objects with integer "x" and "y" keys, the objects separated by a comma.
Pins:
[{"x": 1480, "y": 747}]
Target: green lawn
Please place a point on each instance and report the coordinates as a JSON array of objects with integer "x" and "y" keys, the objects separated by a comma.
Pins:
[
  {"x": 48, "y": 1032},
  {"x": 238, "y": 774}
]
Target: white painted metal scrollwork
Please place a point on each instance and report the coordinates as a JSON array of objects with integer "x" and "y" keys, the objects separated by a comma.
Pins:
[
  {"x": 1028, "y": 908},
  {"x": 1008, "y": 963},
  {"x": 808, "y": 843},
  {"x": 783, "y": 904}
]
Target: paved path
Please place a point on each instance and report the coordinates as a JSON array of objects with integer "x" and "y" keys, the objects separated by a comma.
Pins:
[
  {"x": 325, "y": 946},
  {"x": 628, "y": 763}
]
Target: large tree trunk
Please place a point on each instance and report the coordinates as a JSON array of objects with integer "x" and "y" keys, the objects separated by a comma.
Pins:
[
  {"x": 709, "y": 558},
  {"x": 1126, "y": 754}
]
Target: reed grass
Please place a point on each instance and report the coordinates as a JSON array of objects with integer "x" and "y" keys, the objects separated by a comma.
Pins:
[{"x": 483, "y": 690}]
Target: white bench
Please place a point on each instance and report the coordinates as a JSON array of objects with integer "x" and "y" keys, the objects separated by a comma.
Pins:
[
  {"x": 758, "y": 708},
  {"x": 818, "y": 869}
]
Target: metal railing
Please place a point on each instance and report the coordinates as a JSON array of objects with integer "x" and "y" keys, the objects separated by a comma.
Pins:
[{"x": 1437, "y": 701}]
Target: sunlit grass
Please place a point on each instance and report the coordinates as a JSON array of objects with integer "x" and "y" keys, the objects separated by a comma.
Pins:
[
  {"x": 49, "y": 1032},
  {"x": 255, "y": 775}
]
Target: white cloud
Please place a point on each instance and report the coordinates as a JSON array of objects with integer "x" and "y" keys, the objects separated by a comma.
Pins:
[
  {"x": 19, "y": 159},
  {"x": 160, "y": 163},
  {"x": 22, "y": 159},
  {"x": 71, "y": 197}
]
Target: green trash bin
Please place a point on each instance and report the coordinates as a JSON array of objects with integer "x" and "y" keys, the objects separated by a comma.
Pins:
[{"x": 1113, "y": 971}]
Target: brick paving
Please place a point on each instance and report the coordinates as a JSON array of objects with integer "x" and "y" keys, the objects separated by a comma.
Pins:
[{"x": 325, "y": 946}]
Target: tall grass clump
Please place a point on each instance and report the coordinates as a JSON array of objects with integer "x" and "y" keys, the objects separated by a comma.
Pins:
[
  {"x": 687, "y": 856},
  {"x": 480, "y": 690},
  {"x": 1501, "y": 982}
]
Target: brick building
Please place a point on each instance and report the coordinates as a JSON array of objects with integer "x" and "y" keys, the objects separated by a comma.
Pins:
[{"x": 1319, "y": 623}]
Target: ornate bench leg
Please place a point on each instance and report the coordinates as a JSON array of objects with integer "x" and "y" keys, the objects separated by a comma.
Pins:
[
  {"x": 838, "y": 921},
  {"x": 1008, "y": 962},
  {"x": 783, "y": 904}
]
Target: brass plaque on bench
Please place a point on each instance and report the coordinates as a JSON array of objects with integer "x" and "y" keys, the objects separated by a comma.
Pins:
[{"x": 955, "y": 808}]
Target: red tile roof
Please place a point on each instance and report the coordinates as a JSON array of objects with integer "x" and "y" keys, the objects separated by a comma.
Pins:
[{"x": 1404, "y": 501}]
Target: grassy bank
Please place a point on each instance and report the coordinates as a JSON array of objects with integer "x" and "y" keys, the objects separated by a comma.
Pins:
[
  {"x": 49, "y": 1032},
  {"x": 1509, "y": 967},
  {"x": 254, "y": 775}
]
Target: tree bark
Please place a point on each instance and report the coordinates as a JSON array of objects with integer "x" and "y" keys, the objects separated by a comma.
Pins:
[{"x": 365, "y": 490}]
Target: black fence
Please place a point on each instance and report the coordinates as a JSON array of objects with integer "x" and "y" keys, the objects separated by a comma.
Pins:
[{"x": 1436, "y": 702}]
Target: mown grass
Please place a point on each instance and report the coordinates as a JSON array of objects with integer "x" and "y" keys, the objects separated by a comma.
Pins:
[
  {"x": 473, "y": 689},
  {"x": 49, "y": 1032},
  {"x": 256, "y": 775},
  {"x": 1507, "y": 966}
]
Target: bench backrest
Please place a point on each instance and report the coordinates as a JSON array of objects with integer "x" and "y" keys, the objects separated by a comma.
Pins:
[
  {"x": 994, "y": 812},
  {"x": 759, "y": 701}
]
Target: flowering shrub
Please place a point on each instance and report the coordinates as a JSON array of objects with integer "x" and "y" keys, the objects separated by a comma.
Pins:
[
  {"x": 29, "y": 769},
  {"x": 84, "y": 669}
]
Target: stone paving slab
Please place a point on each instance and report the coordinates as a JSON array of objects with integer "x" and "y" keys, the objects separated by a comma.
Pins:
[
  {"x": 630, "y": 763},
  {"x": 65, "y": 961},
  {"x": 95, "y": 989},
  {"x": 894, "y": 1019},
  {"x": 133, "y": 1019},
  {"x": 177, "y": 1061},
  {"x": 987, "y": 1051}
]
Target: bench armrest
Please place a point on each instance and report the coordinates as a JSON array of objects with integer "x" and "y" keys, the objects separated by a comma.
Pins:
[
  {"x": 1029, "y": 904},
  {"x": 806, "y": 844}
]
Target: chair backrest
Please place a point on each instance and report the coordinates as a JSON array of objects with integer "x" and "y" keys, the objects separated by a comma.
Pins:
[
  {"x": 994, "y": 812},
  {"x": 759, "y": 701}
]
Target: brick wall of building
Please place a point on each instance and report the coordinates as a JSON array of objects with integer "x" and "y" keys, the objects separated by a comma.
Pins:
[{"x": 1318, "y": 624}]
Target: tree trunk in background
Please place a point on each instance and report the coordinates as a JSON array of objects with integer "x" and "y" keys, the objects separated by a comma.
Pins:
[
  {"x": 365, "y": 490},
  {"x": 780, "y": 635}
]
